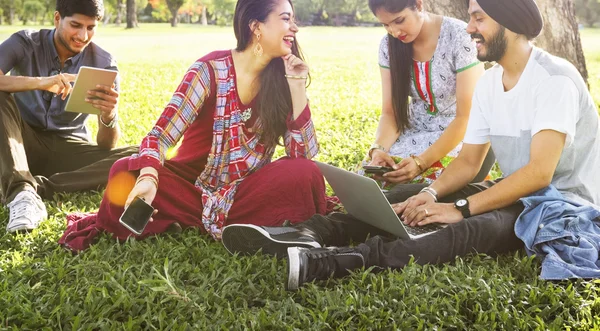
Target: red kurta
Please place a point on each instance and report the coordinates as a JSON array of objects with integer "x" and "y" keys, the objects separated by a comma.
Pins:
[{"x": 206, "y": 109}]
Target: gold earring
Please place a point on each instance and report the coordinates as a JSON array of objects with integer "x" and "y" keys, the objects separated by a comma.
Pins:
[{"x": 258, "y": 50}]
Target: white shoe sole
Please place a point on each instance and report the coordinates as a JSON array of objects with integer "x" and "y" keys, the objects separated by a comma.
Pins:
[
  {"x": 249, "y": 239},
  {"x": 293, "y": 268},
  {"x": 22, "y": 227}
]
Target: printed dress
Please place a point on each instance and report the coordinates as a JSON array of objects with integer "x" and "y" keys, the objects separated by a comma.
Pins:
[
  {"x": 433, "y": 94},
  {"x": 221, "y": 173}
]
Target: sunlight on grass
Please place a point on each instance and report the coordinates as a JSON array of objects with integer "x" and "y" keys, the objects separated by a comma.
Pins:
[{"x": 189, "y": 282}]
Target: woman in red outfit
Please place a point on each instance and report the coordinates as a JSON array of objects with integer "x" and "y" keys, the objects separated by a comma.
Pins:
[{"x": 232, "y": 108}]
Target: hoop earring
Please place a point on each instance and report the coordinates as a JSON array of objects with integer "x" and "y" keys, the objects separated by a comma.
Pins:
[{"x": 258, "y": 49}]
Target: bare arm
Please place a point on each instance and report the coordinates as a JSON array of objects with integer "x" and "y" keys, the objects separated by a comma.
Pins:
[
  {"x": 107, "y": 138},
  {"x": 107, "y": 103},
  {"x": 455, "y": 132},
  {"x": 408, "y": 169},
  {"x": 545, "y": 150},
  {"x": 461, "y": 170},
  {"x": 13, "y": 84},
  {"x": 387, "y": 130},
  {"x": 296, "y": 68},
  {"x": 59, "y": 84}
]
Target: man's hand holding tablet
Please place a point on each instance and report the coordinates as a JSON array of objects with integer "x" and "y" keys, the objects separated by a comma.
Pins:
[
  {"x": 105, "y": 99},
  {"x": 94, "y": 93}
]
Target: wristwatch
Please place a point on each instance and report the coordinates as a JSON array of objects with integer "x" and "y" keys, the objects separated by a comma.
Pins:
[
  {"x": 463, "y": 206},
  {"x": 375, "y": 146}
]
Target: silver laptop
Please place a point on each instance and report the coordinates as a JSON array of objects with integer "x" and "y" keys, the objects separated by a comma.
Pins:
[{"x": 362, "y": 197}]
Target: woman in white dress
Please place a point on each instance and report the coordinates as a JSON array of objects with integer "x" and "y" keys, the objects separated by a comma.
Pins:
[{"x": 429, "y": 69}]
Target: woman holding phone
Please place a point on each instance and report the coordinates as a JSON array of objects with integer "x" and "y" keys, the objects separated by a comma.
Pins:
[
  {"x": 429, "y": 68},
  {"x": 232, "y": 109}
]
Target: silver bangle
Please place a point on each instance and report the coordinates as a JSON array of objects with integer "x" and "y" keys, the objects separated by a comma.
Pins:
[
  {"x": 373, "y": 147},
  {"x": 112, "y": 123},
  {"x": 431, "y": 192}
]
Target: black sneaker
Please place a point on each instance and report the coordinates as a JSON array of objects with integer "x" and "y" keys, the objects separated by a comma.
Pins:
[
  {"x": 248, "y": 239},
  {"x": 306, "y": 265}
]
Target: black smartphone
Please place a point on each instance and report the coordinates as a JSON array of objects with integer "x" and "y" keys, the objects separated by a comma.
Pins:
[
  {"x": 377, "y": 170},
  {"x": 137, "y": 215}
]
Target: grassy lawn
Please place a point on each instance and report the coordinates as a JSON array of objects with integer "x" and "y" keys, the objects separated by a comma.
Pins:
[{"x": 189, "y": 282}]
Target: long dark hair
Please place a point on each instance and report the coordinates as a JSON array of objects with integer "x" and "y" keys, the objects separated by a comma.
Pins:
[
  {"x": 400, "y": 62},
  {"x": 274, "y": 100}
]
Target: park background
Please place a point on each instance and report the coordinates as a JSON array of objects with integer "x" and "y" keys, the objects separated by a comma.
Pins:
[{"x": 188, "y": 281}]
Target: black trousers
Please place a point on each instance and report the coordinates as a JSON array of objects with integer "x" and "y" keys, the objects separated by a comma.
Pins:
[
  {"x": 490, "y": 233},
  {"x": 46, "y": 162}
]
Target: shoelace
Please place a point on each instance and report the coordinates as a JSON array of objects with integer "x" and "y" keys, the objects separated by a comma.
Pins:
[
  {"x": 19, "y": 209},
  {"x": 321, "y": 265}
]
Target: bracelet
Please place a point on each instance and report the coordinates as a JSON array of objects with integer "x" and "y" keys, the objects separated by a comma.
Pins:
[
  {"x": 112, "y": 123},
  {"x": 295, "y": 77},
  {"x": 148, "y": 176},
  {"x": 148, "y": 179},
  {"x": 373, "y": 147},
  {"x": 419, "y": 162},
  {"x": 431, "y": 192}
]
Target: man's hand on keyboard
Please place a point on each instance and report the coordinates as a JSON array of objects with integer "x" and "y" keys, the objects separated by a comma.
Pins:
[{"x": 432, "y": 212}]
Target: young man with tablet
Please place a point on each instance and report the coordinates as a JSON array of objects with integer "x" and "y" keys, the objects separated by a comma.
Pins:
[{"x": 44, "y": 149}]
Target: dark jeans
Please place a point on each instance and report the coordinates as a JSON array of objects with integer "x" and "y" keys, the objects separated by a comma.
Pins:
[
  {"x": 490, "y": 233},
  {"x": 47, "y": 162}
]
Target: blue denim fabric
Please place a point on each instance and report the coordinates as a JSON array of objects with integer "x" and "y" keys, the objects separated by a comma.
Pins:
[{"x": 565, "y": 234}]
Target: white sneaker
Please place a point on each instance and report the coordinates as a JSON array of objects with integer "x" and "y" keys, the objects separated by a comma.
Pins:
[{"x": 26, "y": 212}]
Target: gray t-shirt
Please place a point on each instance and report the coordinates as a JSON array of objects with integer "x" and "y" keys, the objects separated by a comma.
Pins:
[
  {"x": 32, "y": 53},
  {"x": 550, "y": 95}
]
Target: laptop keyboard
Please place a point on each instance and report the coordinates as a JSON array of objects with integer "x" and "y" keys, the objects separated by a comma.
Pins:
[{"x": 418, "y": 230}]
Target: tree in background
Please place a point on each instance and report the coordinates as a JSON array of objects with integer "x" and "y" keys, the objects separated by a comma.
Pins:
[
  {"x": 48, "y": 12},
  {"x": 193, "y": 11},
  {"x": 9, "y": 9},
  {"x": 359, "y": 9},
  {"x": 120, "y": 9},
  {"x": 587, "y": 11},
  {"x": 174, "y": 6},
  {"x": 222, "y": 11},
  {"x": 131, "y": 14},
  {"x": 31, "y": 10},
  {"x": 204, "y": 16}
]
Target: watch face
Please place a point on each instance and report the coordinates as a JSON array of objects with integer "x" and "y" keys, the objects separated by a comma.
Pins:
[{"x": 461, "y": 202}]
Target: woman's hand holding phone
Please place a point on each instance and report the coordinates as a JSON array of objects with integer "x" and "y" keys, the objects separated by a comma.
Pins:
[
  {"x": 144, "y": 189},
  {"x": 138, "y": 207},
  {"x": 381, "y": 158},
  {"x": 404, "y": 172}
]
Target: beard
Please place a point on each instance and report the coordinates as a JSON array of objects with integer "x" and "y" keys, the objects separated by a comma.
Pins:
[{"x": 495, "y": 46}]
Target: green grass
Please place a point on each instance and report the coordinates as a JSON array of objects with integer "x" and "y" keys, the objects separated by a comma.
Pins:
[{"x": 189, "y": 282}]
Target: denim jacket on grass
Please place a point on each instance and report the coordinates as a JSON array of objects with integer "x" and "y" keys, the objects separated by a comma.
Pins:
[{"x": 565, "y": 234}]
